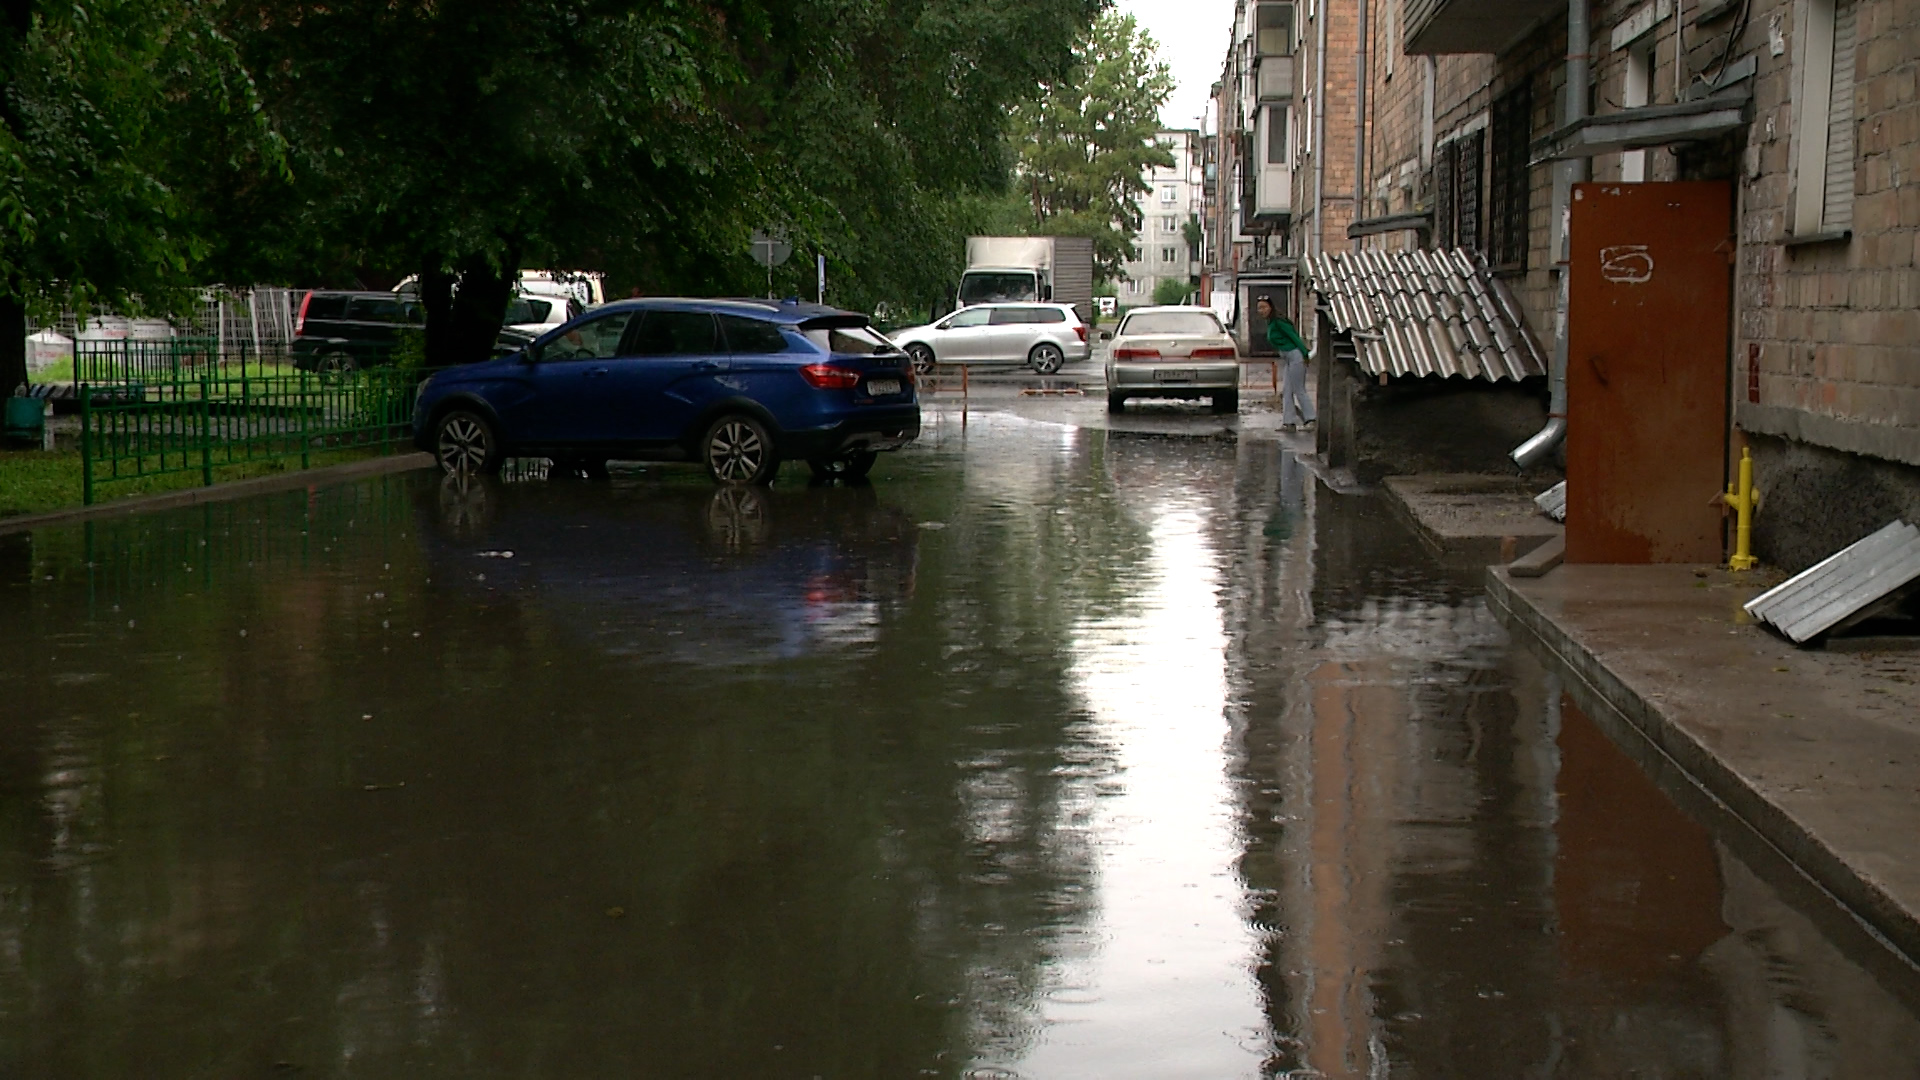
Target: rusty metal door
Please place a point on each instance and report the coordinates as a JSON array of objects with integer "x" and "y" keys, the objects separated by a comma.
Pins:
[{"x": 1647, "y": 313}]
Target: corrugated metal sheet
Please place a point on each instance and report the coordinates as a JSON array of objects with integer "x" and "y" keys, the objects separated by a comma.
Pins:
[
  {"x": 1553, "y": 501},
  {"x": 1845, "y": 587},
  {"x": 1420, "y": 313}
]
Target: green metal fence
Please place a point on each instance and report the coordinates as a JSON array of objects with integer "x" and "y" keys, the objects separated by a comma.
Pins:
[
  {"x": 163, "y": 360},
  {"x": 133, "y": 429}
]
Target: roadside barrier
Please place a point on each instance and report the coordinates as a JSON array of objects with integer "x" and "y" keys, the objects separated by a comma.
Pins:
[{"x": 134, "y": 429}]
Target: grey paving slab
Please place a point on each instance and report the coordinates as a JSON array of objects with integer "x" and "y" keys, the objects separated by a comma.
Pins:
[{"x": 1817, "y": 750}]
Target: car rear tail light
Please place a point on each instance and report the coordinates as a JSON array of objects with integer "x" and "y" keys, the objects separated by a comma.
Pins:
[
  {"x": 828, "y": 377},
  {"x": 1082, "y": 331},
  {"x": 1136, "y": 353},
  {"x": 1214, "y": 353},
  {"x": 300, "y": 324}
]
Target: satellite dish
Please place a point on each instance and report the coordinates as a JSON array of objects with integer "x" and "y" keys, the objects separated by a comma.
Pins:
[{"x": 770, "y": 251}]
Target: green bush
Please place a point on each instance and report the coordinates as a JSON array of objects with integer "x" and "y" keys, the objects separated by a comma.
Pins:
[{"x": 1171, "y": 291}]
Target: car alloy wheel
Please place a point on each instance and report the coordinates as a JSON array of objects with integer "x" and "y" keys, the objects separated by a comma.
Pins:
[
  {"x": 738, "y": 450},
  {"x": 1046, "y": 358},
  {"x": 334, "y": 366},
  {"x": 466, "y": 443},
  {"x": 922, "y": 359}
]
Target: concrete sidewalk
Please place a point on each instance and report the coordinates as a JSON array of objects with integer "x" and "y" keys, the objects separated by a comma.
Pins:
[{"x": 1818, "y": 751}]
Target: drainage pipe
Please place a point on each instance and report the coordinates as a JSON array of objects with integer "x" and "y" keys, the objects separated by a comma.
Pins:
[
  {"x": 1571, "y": 172},
  {"x": 1359, "y": 120},
  {"x": 1319, "y": 122}
]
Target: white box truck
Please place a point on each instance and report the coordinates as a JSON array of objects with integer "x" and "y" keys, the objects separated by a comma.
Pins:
[{"x": 1015, "y": 268}]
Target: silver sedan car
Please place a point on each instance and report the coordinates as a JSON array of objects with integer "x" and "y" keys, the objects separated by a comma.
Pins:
[
  {"x": 1041, "y": 336},
  {"x": 1173, "y": 352}
]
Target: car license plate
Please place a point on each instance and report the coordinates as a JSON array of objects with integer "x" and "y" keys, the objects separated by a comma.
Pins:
[
  {"x": 882, "y": 387},
  {"x": 1174, "y": 374}
]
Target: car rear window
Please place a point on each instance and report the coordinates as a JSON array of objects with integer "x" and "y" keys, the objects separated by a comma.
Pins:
[
  {"x": 986, "y": 288},
  {"x": 321, "y": 306},
  {"x": 1171, "y": 322},
  {"x": 851, "y": 340},
  {"x": 753, "y": 336},
  {"x": 374, "y": 309}
]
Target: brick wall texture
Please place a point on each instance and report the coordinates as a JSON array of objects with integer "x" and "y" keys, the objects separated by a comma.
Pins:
[{"x": 1833, "y": 329}]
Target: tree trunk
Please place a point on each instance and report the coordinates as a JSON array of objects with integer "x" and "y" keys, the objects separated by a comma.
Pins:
[
  {"x": 13, "y": 344},
  {"x": 481, "y": 305},
  {"x": 464, "y": 322}
]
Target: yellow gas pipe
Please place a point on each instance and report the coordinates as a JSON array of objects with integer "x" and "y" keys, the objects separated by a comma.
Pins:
[{"x": 1743, "y": 499}]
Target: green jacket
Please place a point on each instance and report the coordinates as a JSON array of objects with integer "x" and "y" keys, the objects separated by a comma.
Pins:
[{"x": 1283, "y": 337}]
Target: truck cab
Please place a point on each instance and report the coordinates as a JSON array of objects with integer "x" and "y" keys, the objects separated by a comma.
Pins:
[{"x": 1004, "y": 284}]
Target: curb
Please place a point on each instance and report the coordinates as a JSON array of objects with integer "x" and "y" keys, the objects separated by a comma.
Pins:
[
  {"x": 233, "y": 489},
  {"x": 1879, "y": 913}
]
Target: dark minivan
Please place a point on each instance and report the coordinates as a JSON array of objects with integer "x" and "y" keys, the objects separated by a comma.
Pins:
[{"x": 338, "y": 332}]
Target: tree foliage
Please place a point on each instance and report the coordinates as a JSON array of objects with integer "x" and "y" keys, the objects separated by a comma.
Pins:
[
  {"x": 646, "y": 140},
  {"x": 1086, "y": 142},
  {"x": 100, "y": 102}
]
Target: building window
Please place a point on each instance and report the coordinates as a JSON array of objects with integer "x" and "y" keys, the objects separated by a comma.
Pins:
[
  {"x": 1510, "y": 183},
  {"x": 1273, "y": 30},
  {"x": 1822, "y": 167},
  {"x": 1276, "y": 135},
  {"x": 1456, "y": 191},
  {"x": 1168, "y": 193},
  {"x": 1168, "y": 224},
  {"x": 1167, "y": 254}
]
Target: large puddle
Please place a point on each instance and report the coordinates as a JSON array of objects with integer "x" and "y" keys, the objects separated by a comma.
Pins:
[{"x": 1055, "y": 753}]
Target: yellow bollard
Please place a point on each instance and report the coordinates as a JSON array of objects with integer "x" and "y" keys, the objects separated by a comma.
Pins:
[{"x": 1743, "y": 499}]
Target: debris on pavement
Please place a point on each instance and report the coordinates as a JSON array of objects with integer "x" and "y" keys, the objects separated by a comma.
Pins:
[{"x": 1865, "y": 579}]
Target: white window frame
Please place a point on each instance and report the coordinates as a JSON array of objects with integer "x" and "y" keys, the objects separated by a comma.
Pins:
[
  {"x": 1636, "y": 93},
  {"x": 1815, "y": 113}
]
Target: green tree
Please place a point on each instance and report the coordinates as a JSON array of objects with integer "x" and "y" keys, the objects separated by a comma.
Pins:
[
  {"x": 101, "y": 103},
  {"x": 647, "y": 140},
  {"x": 1086, "y": 142}
]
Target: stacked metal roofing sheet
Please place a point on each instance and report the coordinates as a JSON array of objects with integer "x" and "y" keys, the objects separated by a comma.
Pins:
[
  {"x": 1843, "y": 588},
  {"x": 1427, "y": 313}
]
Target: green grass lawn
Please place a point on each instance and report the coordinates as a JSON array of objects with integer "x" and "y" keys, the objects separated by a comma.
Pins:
[
  {"x": 62, "y": 371},
  {"x": 36, "y": 481}
]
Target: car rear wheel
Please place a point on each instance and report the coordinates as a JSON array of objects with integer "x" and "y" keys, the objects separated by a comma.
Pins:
[
  {"x": 466, "y": 442},
  {"x": 739, "y": 450},
  {"x": 922, "y": 359},
  {"x": 1116, "y": 403},
  {"x": 334, "y": 366},
  {"x": 1226, "y": 401},
  {"x": 854, "y": 466},
  {"x": 1046, "y": 358}
]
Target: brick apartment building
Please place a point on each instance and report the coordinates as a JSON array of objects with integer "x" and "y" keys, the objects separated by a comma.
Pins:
[{"x": 1446, "y": 123}]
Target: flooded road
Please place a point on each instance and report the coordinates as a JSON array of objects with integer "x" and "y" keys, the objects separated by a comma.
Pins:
[{"x": 1057, "y": 752}]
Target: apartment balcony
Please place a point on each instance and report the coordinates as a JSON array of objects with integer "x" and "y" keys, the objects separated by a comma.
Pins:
[
  {"x": 1438, "y": 27},
  {"x": 1273, "y": 78}
]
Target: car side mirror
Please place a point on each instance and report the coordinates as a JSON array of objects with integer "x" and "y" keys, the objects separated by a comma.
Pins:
[
  {"x": 530, "y": 354},
  {"x": 1106, "y": 335}
]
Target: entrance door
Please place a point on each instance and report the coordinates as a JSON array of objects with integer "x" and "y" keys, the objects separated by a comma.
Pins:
[{"x": 1647, "y": 315}]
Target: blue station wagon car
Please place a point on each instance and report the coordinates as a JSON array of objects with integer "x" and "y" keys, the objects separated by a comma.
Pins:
[{"x": 736, "y": 385}]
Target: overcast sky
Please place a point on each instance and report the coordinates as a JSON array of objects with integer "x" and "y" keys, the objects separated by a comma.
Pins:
[{"x": 1193, "y": 42}]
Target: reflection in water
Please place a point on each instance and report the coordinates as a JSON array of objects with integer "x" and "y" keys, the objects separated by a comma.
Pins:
[{"x": 1051, "y": 754}]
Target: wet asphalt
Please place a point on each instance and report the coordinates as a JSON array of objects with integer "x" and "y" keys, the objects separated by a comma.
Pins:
[{"x": 1068, "y": 747}]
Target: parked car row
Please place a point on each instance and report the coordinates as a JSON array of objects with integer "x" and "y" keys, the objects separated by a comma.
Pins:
[{"x": 339, "y": 331}]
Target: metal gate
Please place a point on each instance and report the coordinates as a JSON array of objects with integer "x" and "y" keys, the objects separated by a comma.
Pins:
[{"x": 1651, "y": 271}]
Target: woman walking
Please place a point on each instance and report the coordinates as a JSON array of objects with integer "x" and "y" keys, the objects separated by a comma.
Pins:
[{"x": 1295, "y": 406}]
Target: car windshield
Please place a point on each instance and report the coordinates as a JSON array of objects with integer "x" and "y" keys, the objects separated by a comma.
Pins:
[
  {"x": 850, "y": 340},
  {"x": 1171, "y": 322},
  {"x": 992, "y": 288}
]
